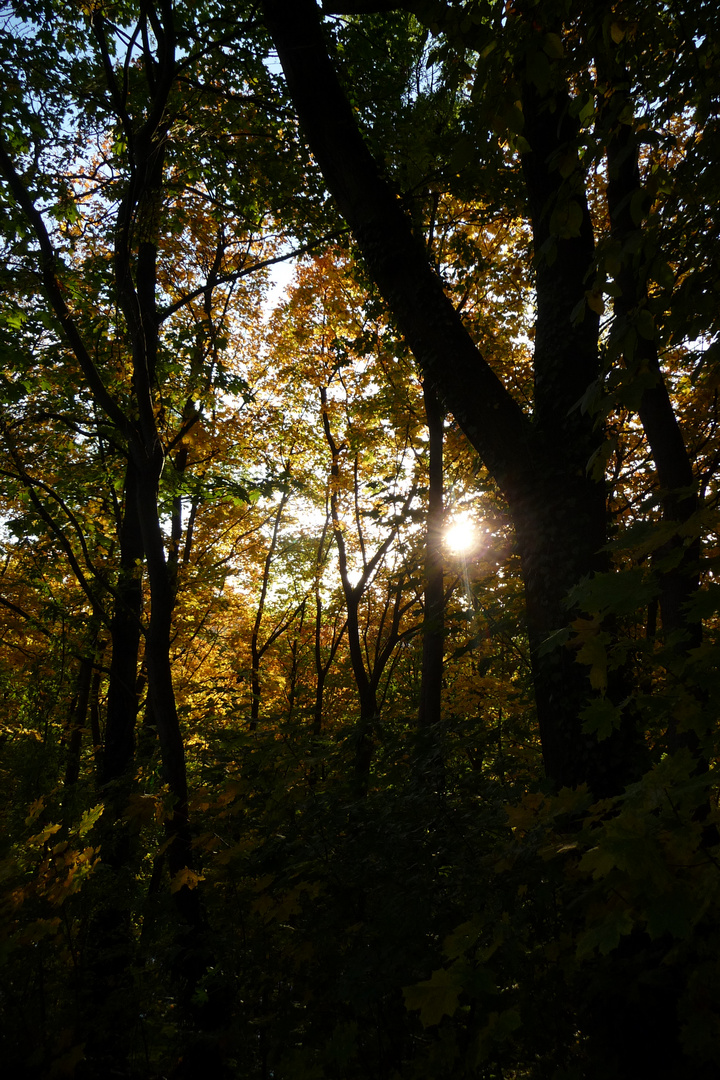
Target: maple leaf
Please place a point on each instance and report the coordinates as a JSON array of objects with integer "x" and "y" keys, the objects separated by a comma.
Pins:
[
  {"x": 437, "y": 996},
  {"x": 186, "y": 877}
]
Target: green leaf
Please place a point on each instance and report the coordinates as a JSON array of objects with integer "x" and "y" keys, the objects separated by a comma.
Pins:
[
  {"x": 600, "y": 718},
  {"x": 637, "y": 206},
  {"x": 499, "y": 1026},
  {"x": 538, "y": 71},
  {"x": 606, "y": 936},
  {"x": 566, "y": 220},
  {"x": 672, "y": 913},
  {"x": 462, "y": 938},
  {"x": 704, "y": 603},
  {"x": 556, "y": 640},
  {"x": 89, "y": 818},
  {"x": 593, "y": 652},
  {"x": 14, "y": 319},
  {"x": 663, "y": 273},
  {"x": 553, "y": 46},
  {"x": 621, "y": 592},
  {"x": 437, "y": 996},
  {"x": 646, "y": 324}
]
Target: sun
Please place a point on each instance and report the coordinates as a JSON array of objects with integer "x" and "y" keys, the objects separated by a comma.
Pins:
[{"x": 461, "y": 535}]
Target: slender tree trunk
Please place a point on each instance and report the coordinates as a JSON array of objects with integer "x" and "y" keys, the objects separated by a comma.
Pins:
[
  {"x": 434, "y": 622},
  {"x": 256, "y": 649},
  {"x": 322, "y": 667},
  {"x": 160, "y": 685},
  {"x": 79, "y": 710},
  {"x": 294, "y": 665},
  {"x": 95, "y": 710}
]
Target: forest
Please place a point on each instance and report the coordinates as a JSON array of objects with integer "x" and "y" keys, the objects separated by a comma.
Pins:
[{"x": 359, "y": 539}]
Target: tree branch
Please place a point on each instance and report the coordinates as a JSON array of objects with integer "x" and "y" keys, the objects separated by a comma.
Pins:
[{"x": 397, "y": 259}]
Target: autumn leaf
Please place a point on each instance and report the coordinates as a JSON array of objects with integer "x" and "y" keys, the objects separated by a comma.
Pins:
[
  {"x": 35, "y": 810},
  {"x": 89, "y": 818},
  {"x": 187, "y": 878}
]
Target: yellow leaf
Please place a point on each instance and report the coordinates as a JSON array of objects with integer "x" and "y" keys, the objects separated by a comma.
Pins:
[
  {"x": 46, "y": 833},
  {"x": 186, "y": 877},
  {"x": 89, "y": 818},
  {"x": 35, "y": 810}
]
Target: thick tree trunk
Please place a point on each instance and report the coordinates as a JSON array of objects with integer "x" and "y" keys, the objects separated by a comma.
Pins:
[
  {"x": 125, "y": 630},
  {"x": 561, "y": 522},
  {"x": 539, "y": 465}
]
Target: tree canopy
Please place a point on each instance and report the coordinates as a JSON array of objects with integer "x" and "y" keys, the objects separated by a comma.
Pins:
[{"x": 358, "y": 479}]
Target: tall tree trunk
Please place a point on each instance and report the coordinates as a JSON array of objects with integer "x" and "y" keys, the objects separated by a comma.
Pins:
[
  {"x": 295, "y": 665},
  {"x": 160, "y": 684},
  {"x": 257, "y": 650},
  {"x": 561, "y": 519},
  {"x": 429, "y": 716},
  {"x": 539, "y": 465},
  {"x": 79, "y": 710},
  {"x": 677, "y": 560},
  {"x": 125, "y": 631}
]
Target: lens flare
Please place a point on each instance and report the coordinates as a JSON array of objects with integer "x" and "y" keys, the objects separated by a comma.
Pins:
[{"x": 461, "y": 535}]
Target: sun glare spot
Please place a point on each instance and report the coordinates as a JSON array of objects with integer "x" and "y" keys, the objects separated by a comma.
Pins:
[{"x": 461, "y": 535}]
